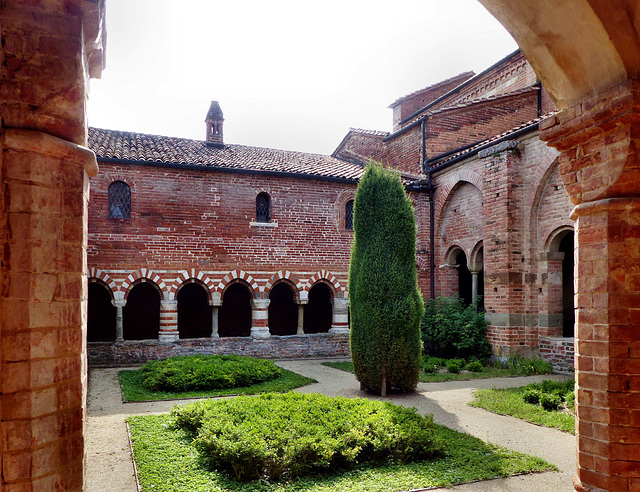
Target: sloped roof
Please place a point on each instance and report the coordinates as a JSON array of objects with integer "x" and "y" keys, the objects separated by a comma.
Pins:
[
  {"x": 461, "y": 153},
  {"x": 462, "y": 77},
  {"x": 130, "y": 147},
  {"x": 215, "y": 112}
]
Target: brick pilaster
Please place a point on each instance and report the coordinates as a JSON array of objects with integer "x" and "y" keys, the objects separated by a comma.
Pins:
[{"x": 600, "y": 167}]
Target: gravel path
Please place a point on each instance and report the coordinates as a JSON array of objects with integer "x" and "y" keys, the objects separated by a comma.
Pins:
[{"x": 110, "y": 467}]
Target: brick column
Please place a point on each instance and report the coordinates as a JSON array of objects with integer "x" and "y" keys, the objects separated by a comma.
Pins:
[
  {"x": 504, "y": 268},
  {"x": 48, "y": 49},
  {"x": 260, "y": 318},
  {"x": 599, "y": 143},
  {"x": 340, "y": 324},
  {"x": 168, "y": 321}
]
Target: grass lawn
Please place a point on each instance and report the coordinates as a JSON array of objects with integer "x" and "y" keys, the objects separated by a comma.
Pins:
[
  {"x": 167, "y": 461},
  {"x": 509, "y": 402},
  {"x": 487, "y": 372},
  {"x": 133, "y": 390}
]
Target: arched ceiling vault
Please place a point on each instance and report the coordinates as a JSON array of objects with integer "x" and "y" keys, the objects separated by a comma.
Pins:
[{"x": 578, "y": 48}]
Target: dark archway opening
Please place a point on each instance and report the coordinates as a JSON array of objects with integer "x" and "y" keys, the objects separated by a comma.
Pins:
[
  {"x": 464, "y": 278},
  {"x": 480, "y": 292},
  {"x": 568, "y": 313},
  {"x": 194, "y": 312},
  {"x": 101, "y": 314},
  {"x": 141, "y": 313},
  {"x": 283, "y": 311},
  {"x": 318, "y": 313},
  {"x": 234, "y": 316}
]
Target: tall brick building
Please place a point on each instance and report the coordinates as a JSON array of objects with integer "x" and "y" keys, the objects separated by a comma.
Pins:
[{"x": 206, "y": 246}]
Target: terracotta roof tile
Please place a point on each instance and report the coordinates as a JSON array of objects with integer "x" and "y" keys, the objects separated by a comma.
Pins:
[{"x": 144, "y": 148}]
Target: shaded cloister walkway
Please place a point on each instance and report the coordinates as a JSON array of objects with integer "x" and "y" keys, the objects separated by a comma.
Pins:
[{"x": 109, "y": 465}]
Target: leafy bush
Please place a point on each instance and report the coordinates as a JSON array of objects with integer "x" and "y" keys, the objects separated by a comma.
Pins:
[
  {"x": 531, "y": 396},
  {"x": 275, "y": 436},
  {"x": 449, "y": 329},
  {"x": 386, "y": 305},
  {"x": 529, "y": 367},
  {"x": 454, "y": 366},
  {"x": 474, "y": 366},
  {"x": 431, "y": 365},
  {"x": 570, "y": 400},
  {"x": 203, "y": 372},
  {"x": 550, "y": 401}
]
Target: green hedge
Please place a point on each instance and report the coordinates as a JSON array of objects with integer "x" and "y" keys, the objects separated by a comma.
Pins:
[
  {"x": 275, "y": 436},
  {"x": 203, "y": 372}
]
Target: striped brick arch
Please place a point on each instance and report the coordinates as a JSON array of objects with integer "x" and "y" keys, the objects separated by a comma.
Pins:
[
  {"x": 191, "y": 276},
  {"x": 97, "y": 275},
  {"x": 283, "y": 275},
  {"x": 339, "y": 289},
  {"x": 236, "y": 275},
  {"x": 143, "y": 275}
]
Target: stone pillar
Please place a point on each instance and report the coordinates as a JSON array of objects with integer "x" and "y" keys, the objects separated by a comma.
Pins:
[
  {"x": 300, "y": 319},
  {"x": 48, "y": 51},
  {"x": 119, "y": 304},
  {"x": 599, "y": 141},
  {"x": 474, "y": 286},
  {"x": 215, "y": 306},
  {"x": 504, "y": 269},
  {"x": 340, "y": 324},
  {"x": 168, "y": 321},
  {"x": 260, "y": 318}
]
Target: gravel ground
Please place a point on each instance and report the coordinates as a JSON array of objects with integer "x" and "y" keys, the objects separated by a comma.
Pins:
[{"x": 110, "y": 466}]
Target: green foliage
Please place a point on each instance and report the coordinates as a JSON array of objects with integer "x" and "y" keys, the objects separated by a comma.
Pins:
[
  {"x": 529, "y": 367},
  {"x": 510, "y": 401},
  {"x": 203, "y": 372},
  {"x": 454, "y": 366},
  {"x": 167, "y": 461},
  {"x": 449, "y": 329},
  {"x": 531, "y": 396},
  {"x": 549, "y": 401},
  {"x": 474, "y": 366},
  {"x": 570, "y": 400},
  {"x": 386, "y": 305},
  {"x": 276, "y": 436}
]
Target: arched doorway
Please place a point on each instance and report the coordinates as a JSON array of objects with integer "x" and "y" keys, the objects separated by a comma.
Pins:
[
  {"x": 318, "y": 313},
  {"x": 194, "y": 311},
  {"x": 568, "y": 313},
  {"x": 464, "y": 278},
  {"x": 283, "y": 311},
  {"x": 234, "y": 316},
  {"x": 101, "y": 314},
  {"x": 141, "y": 313}
]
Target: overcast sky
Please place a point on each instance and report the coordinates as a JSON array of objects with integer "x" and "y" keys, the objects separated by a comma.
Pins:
[{"x": 288, "y": 74}]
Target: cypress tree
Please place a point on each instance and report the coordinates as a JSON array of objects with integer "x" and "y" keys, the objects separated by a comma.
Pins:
[{"x": 386, "y": 304}]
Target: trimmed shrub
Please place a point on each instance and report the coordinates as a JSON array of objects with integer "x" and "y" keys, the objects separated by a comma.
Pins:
[
  {"x": 474, "y": 367},
  {"x": 531, "y": 396},
  {"x": 549, "y": 401},
  {"x": 386, "y": 305},
  {"x": 454, "y": 366},
  {"x": 449, "y": 329},
  {"x": 203, "y": 372},
  {"x": 275, "y": 436}
]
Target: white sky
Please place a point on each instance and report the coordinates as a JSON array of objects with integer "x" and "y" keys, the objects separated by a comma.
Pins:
[{"x": 288, "y": 74}]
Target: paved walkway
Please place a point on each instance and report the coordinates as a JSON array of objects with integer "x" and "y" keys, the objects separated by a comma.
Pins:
[{"x": 110, "y": 468}]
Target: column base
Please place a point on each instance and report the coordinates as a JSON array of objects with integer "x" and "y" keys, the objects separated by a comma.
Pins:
[
  {"x": 168, "y": 337},
  {"x": 260, "y": 332},
  {"x": 339, "y": 330}
]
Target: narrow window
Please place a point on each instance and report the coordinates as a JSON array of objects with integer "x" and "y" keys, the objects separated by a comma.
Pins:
[
  {"x": 348, "y": 215},
  {"x": 119, "y": 200},
  {"x": 263, "y": 208}
]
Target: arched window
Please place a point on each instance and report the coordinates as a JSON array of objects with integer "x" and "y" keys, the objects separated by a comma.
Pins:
[
  {"x": 348, "y": 215},
  {"x": 263, "y": 207},
  {"x": 119, "y": 200}
]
